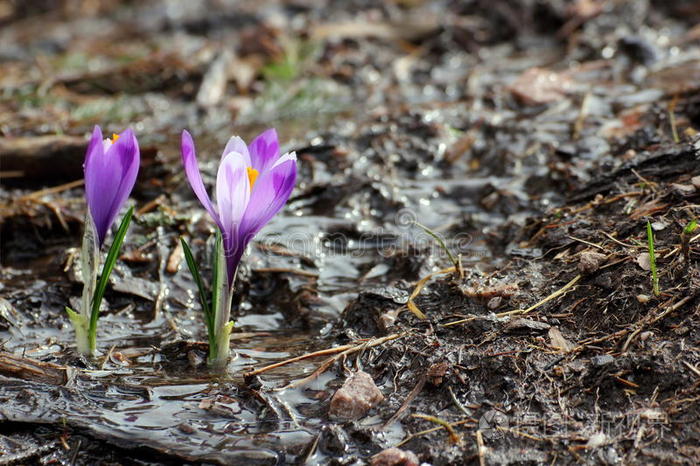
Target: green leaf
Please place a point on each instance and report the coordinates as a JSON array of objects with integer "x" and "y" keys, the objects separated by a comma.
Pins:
[
  {"x": 89, "y": 261},
  {"x": 218, "y": 292},
  {"x": 441, "y": 243},
  {"x": 689, "y": 228},
  {"x": 194, "y": 270},
  {"x": 112, "y": 256}
]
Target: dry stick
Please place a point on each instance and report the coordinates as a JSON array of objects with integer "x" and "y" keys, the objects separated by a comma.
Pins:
[
  {"x": 330, "y": 361},
  {"x": 52, "y": 190},
  {"x": 694, "y": 369},
  {"x": 480, "y": 448},
  {"x": 434, "y": 429},
  {"x": 610, "y": 200},
  {"x": 520, "y": 433},
  {"x": 315, "y": 354},
  {"x": 347, "y": 349},
  {"x": 411, "y": 396},
  {"x": 588, "y": 243},
  {"x": 454, "y": 437},
  {"x": 552, "y": 296},
  {"x": 304, "y": 273},
  {"x": 615, "y": 240}
]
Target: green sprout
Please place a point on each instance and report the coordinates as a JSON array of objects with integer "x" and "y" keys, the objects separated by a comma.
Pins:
[{"x": 456, "y": 261}]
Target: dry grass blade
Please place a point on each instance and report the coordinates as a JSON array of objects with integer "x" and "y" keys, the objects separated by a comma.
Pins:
[
  {"x": 561, "y": 291},
  {"x": 419, "y": 287},
  {"x": 315, "y": 354},
  {"x": 330, "y": 361},
  {"x": 435, "y": 429},
  {"x": 338, "y": 352},
  {"x": 454, "y": 436}
]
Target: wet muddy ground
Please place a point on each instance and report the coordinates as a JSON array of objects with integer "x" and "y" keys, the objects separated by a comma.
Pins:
[{"x": 535, "y": 138}]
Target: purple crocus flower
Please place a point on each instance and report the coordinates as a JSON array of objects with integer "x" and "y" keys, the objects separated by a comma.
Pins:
[
  {"x": 252, "y": 185},
  {"x": 111, "y": 166}
]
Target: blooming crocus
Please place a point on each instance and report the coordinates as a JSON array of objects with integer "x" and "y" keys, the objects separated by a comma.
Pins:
[
  {"x": 253, "y": 183},
  {"x": 111, "y": 166}
]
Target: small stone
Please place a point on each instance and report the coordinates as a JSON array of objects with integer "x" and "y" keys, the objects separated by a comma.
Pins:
[
  {"x": 494, "y": 303},
  {"x": 356, "y": 397},
  {"x": 644, "y": 261},
  {"x": 596, "y": 440},
  {"x": 395, "y": 457},
  {"x": 557, "y": 340},
  {"x": 602, "y": 360},
  {"x": 526, "y": 326},
  {"x": 643, "y": 298},
  {"x": 538, "y": 86},
  {"x": 590, "y": 261},
  {"x": 659, "y": 225},
  {"x": 696, "y": 181},
  {"x": 185, "y": 428},
  {"x": 684, "y": 189}
]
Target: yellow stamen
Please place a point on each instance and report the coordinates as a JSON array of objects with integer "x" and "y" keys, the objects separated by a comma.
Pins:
[
  {"x": 252, "y": 176},
  {"x": 115, "y": 136}
]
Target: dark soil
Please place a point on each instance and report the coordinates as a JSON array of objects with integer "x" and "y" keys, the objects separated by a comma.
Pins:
[{"x": 537, "y": 139}]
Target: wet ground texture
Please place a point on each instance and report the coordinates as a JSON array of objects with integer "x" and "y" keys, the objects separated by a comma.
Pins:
[{"x": 535, "y": 138}]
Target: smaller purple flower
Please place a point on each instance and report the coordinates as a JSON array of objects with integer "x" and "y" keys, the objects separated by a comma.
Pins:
[
  {"x": 253, "y": 183},
  {"x": 111, "y": 166}
]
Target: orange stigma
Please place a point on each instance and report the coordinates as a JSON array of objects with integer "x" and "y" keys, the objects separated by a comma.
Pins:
[
  {"x": 115, "y": 136},
  {"x": 252, "y": 175}
]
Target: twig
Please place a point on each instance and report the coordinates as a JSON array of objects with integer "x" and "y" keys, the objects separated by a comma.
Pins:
[
  {"x": 587, "y": 242},
  {"x": 337, "y": 351},
  {"x": 52, "y": 190},
  {"x": 552, "y": 296},
  {"x": 406, "y": 403},
  {"x": 315, "y": 354},
  {"x": 612, "y": 238},
  {"x": 304, "y": 273},
  {"x": 434, "y": 429},
  {"x": 549, "y": 298},
  {"x": 480, "y": 448},
  {"x": 694, "y": 369},
  {"x": 454, "y": 437}
]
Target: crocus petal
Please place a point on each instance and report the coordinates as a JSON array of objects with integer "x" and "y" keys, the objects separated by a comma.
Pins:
[
  {"x": 232, "y": 196},
  {"x": 264, "y": 150},
  {"x": 270, "y": 193},
  {"x": 236, "y": 144},
  {"x": 126, "y": 158},
  {"x": 189, "y": 160},
  {"x": 102, "y": 180}
]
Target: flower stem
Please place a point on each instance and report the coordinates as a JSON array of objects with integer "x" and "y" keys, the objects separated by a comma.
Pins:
[{"x": 222, "y": 295}]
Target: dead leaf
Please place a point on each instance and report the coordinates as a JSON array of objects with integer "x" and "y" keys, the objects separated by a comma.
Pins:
[
  {"x": 538, "y": 86},
  {"x": 557, "y": 340}
]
